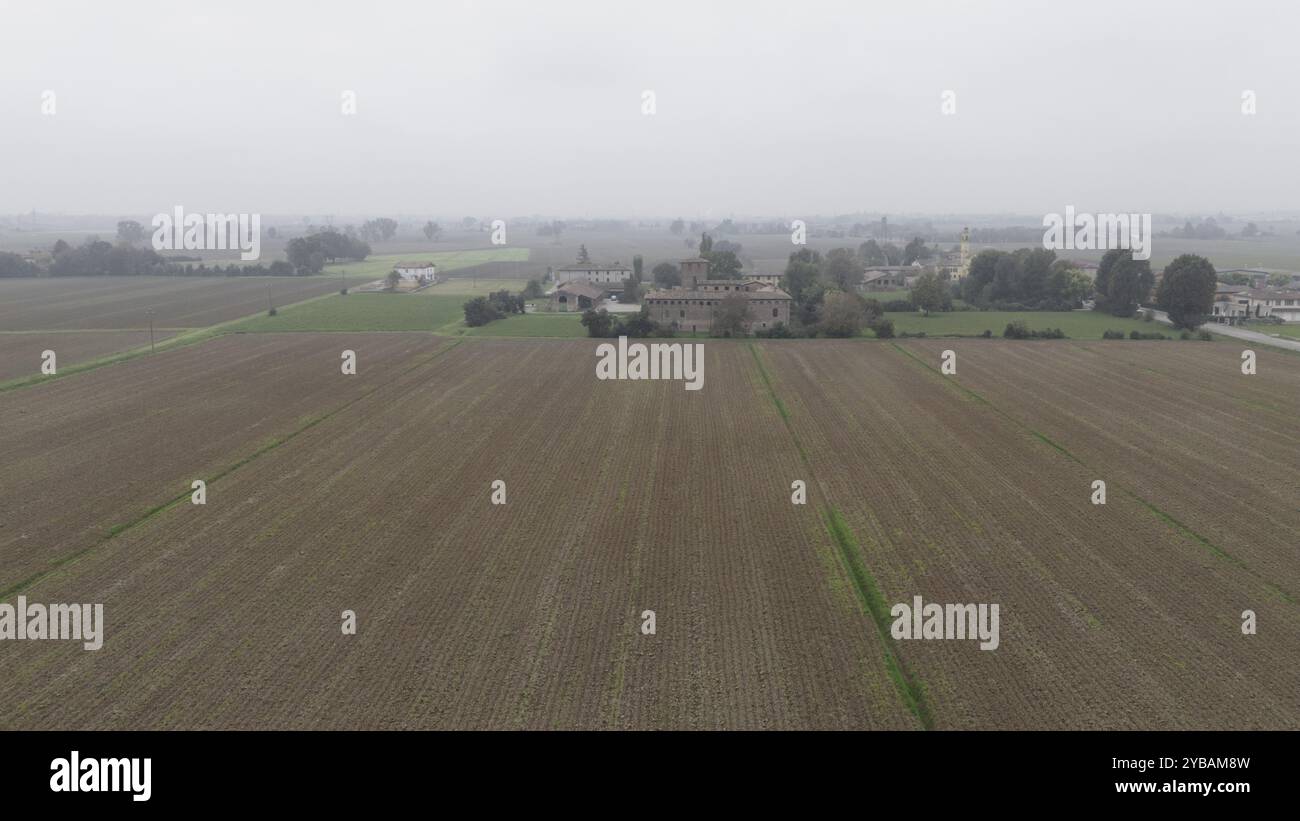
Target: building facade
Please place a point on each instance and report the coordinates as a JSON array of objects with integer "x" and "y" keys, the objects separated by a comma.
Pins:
[
  {"x": 417, "y": 271},
  {"x": 611, "y": 275},
  {"x": 693, "y": 310},
  {"x": 576, "y": 296}
]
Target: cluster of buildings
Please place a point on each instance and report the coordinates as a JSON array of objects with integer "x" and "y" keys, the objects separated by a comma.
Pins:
[
  {"x": 955, "y": 265},
  {"x": 421, "y": 273},
  {"x": 1238, "y": 303},
  {"x": 689, "y": 308}
]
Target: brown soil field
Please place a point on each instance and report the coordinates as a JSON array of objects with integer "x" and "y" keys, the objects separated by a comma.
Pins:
[
  {"x": 96, "y": 450},
  {"x": 20, "y": 353},
  {"x": 1111, "y": 617},
  {"x": 114, "y": 303},
  {"x": 1179, "y": 426},
  {"x": 474, "y": 615},
  {"x": 631, "y": 496}
]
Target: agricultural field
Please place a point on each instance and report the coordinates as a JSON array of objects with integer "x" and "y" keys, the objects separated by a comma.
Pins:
[
  {"x": 372, "y": 493},
  {"x": 363, "y": 312},
  {"x": 20, "y": 353},
  {"x": 540, "y": 324},
  {"x": 130, "y": 302},
  {"x": 377, "y": 266},
  {"x": 1075, "y": 324}
]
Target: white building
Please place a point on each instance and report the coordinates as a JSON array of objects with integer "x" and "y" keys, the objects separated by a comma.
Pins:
[
  {"x": 417, "y": 271},
  {"x": 593, "y": 273},
  {"x": 1277, "y": 303}
]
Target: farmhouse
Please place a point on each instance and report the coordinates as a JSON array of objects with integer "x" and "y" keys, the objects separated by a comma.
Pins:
[
  {"x": 1230, "y": 306},
  {"x": 595, "y": 274},
  {"x": 694, "y": 309},
  {"x": 888, "y": 277},
  {"x": 577, "y": 296},
  {"x": 425, "y": 272},
  {"x": 1277, "y": 303}
]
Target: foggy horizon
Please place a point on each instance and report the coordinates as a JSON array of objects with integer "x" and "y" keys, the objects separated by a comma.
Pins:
[{"x": 511, "y": 109}]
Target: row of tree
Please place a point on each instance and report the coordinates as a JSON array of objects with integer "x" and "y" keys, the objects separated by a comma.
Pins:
[
  {"x": 95, "y": 257},
  {"x": 1025, "y": 279}
]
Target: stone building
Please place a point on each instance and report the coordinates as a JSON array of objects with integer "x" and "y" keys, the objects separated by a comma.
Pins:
[
  {"x": 576, "y": 296},
  {"x": 692, "y": 310}
]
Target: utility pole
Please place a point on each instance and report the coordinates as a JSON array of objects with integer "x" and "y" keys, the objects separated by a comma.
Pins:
[{"x": 151, "y": 350}]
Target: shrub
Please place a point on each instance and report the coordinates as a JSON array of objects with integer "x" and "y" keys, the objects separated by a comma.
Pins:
[
  {"x": 271, "y": 312},
  {"x": 899, "y": 306},
  {"x": 1204, "y": 336},
  {"x": 987, "y": 334},
  {"x": 884, "y": 329},
  {"x": 1140, "y": 335},
  {"x": 1113, "y": 335},
  {"x": 1016, "y": 330}
]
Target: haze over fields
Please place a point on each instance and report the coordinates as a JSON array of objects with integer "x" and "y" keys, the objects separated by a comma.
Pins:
[{"x": 759, "y": 109}]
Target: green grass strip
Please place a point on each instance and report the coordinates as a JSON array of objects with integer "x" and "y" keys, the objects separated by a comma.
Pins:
[
  {"x": 910, "y": 689},
  {"x": 873, "y": 602}
]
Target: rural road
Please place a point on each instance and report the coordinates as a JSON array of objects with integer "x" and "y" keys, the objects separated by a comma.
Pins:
[{"x": 1242, "y": 333}]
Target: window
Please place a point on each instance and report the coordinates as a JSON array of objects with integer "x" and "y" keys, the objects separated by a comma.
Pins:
[
  {"x": 683, "y": 314},
  {"x": 775, "y": 313}
]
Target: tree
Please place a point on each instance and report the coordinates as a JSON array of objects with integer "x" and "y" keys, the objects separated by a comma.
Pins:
[
  {"x": 916, "y": 250},
  {"x": 733, "y": 316},
  {"x": 533, "y": 290},
  {"x": 631, "y": 292},
  {"x": 983, "y": 270},
  {"x": 479, "y": 311},
  {"x": 871, "y": 253},
  {"x": 1105, "y": 270},
  {"x": 842, "y": 315},
  {"x": 801, "y": 273},
  {"x": 393, "y": 279},
  {"x": 666, "y": 275},
  {"x": 583, "y": 256},
  {"x": 843, "y": 269},
  {"x": 1251, "y": 230},
  {"x": 1129, "y": 283},
  {"x": 929, "y": 293},
  {"x": 706, "y": 245},
  {"x": 677, "y": 227},
  {"x": 130, "y": 232},
  {"x": 1067, "y": 287},
  {"x": 637, "y": 265},
  {"x": 378, "y": 229},
  {"x": 1187, "y": 290},
  {"x": 883, "y": 328},
  {"x": 598, "y": 323},
  {"x": 723, "y": 264},
  {"x": 431, "y": 229}
]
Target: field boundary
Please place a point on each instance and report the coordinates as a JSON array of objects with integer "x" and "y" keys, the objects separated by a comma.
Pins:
[
  {"x": 192, "y": 336},
  {"x": 122, "y": 527},
  {"x": 910, "y": 688}
]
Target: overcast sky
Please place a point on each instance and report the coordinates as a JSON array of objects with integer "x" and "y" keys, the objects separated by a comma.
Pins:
[{"x": 507, "y": 109}]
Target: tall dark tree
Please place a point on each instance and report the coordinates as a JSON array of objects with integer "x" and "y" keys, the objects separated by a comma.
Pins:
[
  {"x": 1187, "y": 290},
  {"x": 666, "y": 275}
]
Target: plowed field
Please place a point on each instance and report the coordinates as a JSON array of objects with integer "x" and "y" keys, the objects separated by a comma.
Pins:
[{"x": 373, "y": 494}]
